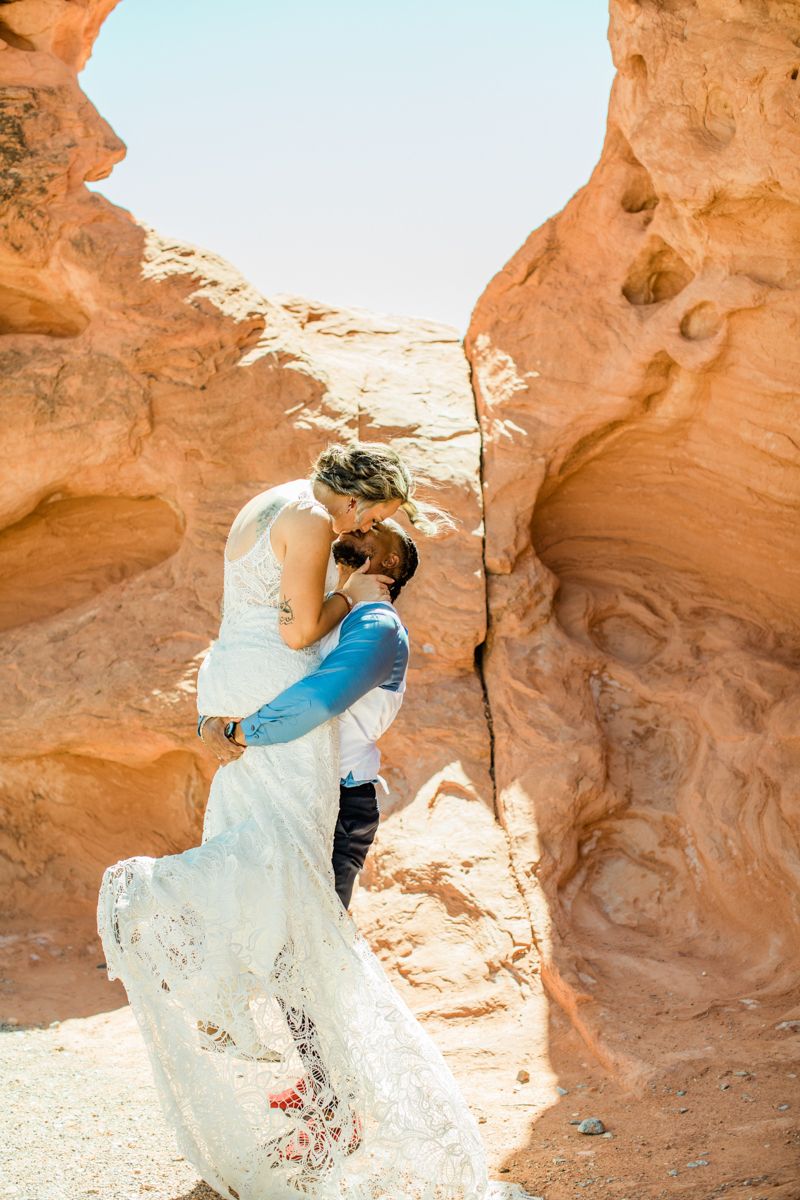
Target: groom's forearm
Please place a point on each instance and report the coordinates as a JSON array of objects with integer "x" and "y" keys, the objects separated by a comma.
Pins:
[
  {"x": 363, "y": 660},
  {"x": 290, "y": 717}
]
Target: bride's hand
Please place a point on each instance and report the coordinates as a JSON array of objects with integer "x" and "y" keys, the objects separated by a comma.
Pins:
[{"x": 361, "y": 586}]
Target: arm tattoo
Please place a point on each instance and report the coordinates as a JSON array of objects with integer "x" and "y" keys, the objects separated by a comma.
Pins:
[{"x": 286, "y": 614}]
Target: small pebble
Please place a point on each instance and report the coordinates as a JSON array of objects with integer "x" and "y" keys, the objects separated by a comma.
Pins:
[
  {"x": 672, "y": 1172},
  {"x": 523, "y": 1077},
  {"x": 723, "y": 1087},
  {"x": 691, "y": 1164},
  {"x": 608, "y": 1135},
  {"x": 782, "y": 1106},
  {"x": 684, "y": 1110},
  {"x": 742, "y": 1073},
  {"x": 681, "y": 1093},
  {"x": 562, "y": 1091},
  {"x": 591, "y": 1125}
]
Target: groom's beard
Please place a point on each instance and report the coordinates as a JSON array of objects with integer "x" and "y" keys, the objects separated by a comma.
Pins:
[{"x": 347, "y": 555}]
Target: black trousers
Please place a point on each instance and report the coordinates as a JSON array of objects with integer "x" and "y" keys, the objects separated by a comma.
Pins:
[{"x": 355, "y": 831}]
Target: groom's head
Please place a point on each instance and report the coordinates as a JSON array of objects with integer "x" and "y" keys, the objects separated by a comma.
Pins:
[{"x": 388, "y": 547}]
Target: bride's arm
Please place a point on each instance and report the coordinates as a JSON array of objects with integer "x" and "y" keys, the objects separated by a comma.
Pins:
[{"x": 304, "y": 536}]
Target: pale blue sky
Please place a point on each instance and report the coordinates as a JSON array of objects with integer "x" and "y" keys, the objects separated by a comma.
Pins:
[{"x": 387, "y": 153}]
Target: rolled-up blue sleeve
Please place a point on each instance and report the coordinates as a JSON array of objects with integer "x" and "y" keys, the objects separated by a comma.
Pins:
[{"x": 370, "y": 642}]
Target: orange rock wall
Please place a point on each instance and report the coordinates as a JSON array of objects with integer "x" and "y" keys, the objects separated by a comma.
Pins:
[
  {"x": 635, "y": 369},
  {"x": 636, "y": 365},
  {"x": 149, "y": 392}
]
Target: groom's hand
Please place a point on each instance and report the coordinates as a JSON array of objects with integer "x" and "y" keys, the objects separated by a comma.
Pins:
[{"x": 214, "y": 737}]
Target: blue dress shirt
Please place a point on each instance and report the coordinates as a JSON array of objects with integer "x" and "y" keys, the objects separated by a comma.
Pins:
[{"x": 372, "y": 652}]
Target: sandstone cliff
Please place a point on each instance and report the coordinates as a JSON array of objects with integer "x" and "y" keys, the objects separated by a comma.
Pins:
[
  {"x": 149, "y": 391},
  {"x": 636, "y": 366}
]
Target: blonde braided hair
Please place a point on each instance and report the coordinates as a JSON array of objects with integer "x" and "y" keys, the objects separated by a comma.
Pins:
[{"x": 375, "y": 473}]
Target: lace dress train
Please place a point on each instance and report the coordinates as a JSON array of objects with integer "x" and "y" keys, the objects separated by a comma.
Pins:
[{"x": 246, "y": 974}]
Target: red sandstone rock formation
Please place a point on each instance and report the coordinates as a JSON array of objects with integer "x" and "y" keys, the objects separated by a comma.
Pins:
[
  {"x": 634, "y": 365},
  {"x": 637, "y": 368},
  {"x": 149, "y": 392}
]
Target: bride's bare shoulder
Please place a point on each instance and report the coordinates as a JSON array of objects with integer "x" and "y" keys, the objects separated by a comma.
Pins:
[{"x": 261, "y": 511}]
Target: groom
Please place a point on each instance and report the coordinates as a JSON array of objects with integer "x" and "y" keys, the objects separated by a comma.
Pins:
[{"x": 361, "y": 681}]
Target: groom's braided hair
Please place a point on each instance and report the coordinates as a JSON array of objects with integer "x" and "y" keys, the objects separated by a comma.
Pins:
[
  {"x": 374, "y": 473},
  {"x": 409, "y": 559}
]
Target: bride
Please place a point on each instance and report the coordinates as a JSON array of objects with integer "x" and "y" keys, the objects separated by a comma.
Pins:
[{"x": 282, "y": 1055}]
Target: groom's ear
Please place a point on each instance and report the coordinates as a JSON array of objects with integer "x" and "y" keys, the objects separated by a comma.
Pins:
[{"x": 390, "y": 561}]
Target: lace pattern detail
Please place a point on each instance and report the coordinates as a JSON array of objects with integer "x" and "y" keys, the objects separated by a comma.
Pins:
[
  {"x": 250, "y": 664},
  {"x": 255, "y": 577},
  {"x": 247, "y": 977}
]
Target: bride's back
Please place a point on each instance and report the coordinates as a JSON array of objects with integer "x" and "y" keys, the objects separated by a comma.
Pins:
[
  {"x": 250, "y": 663},
  {"x": 259, "y": 513}
]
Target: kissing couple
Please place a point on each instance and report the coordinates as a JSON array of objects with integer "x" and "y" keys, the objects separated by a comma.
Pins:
[{"x": 283, "y": 1057}]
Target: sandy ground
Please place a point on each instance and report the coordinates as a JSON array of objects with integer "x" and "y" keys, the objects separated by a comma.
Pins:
[{"x": 79, "y": 1115}]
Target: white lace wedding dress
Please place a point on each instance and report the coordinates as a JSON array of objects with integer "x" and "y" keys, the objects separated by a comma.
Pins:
[{"x": 245, "y": 973}]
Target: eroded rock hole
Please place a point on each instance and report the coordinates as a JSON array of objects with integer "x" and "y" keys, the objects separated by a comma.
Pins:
[
  {"x": 625, "y": 638},
  {"x": 14, "y": 39},
  {"x": 640, "y": 195},
  {"x": 636, "y": 68},
  {"x": 21, "y": 312},
  {"x": 633, "y": 82},
  {"x": 659, "y": 273},
  {"x": 638, "y": 190},
  {"x": 793, "y": 74},
  {"x": 700, "y": 322},
  {"x": 67, "y": 551},
  {"x": 719, "y": 119}
]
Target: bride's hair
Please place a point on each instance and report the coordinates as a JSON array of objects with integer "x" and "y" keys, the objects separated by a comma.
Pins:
[{"x": 374, "y": 473}]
